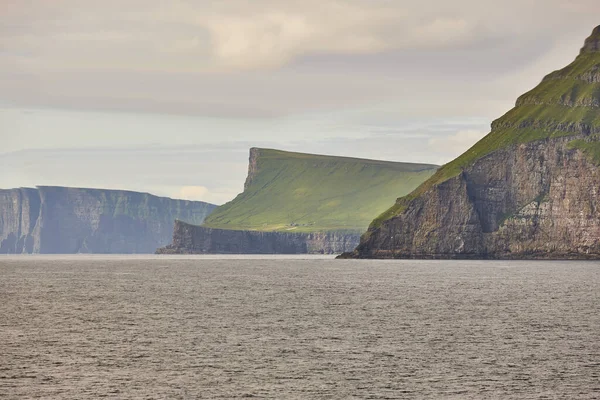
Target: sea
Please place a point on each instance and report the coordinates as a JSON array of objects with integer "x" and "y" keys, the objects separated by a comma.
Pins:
[{"x": 301, "y": 327}]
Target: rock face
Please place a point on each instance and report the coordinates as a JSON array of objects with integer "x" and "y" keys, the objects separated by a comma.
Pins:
[
  {"x": 296, "y": 203},
  {"x": 529, "y": 190},
  {"x": 19, "y": 212},
  {"x": 252, "y": 167},
  {"x": 59, "y": 220},
  {"x": 191, "y": 239},
  {"x": 535, "y": 200},
  {"x": 592, "y": 44}
]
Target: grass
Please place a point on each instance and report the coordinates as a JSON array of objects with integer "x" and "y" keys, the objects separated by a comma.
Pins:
[
  {"x": 299, "y": 192},
  {"x": 565, "y": 103},
  {"x": 590, "y": 148}
]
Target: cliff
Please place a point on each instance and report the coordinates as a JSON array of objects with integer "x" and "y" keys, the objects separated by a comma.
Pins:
[
  {"x": 299, "y": 192},
  {"x": 19, "y": 212},
  {"x": 528, "y": 190},
  {"x": 300, "y": 203},
  {"x": 192, "y": 239},
  {"x": 59, "y": 220}
]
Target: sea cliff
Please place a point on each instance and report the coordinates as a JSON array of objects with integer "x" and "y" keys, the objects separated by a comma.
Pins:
[
  {"x": 300, "y": 203},
  {"x": 528, "y": 190},
  {"x": 302, "y": 192},
  {"x": 192, "y": 239},
  {"x": 535, "y": 200},
  {"x": 60, "y": 220}
]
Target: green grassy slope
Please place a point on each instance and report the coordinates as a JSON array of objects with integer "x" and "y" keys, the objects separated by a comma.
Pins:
[
  {"x": 306, "y": 192},
  {"x": 565, "y": 103}
]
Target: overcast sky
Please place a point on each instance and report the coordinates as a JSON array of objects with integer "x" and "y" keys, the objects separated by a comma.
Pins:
[{"x": 167, "y": 96}]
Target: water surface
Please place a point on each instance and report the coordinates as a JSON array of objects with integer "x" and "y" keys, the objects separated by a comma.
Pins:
[{"x": 297, "y": 328}]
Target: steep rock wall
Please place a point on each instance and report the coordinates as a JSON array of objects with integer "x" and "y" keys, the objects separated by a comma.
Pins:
[
  {"x": 529, "y": 189},
  {"x": 191, "y": 239},
  {"x": 534, "y": 200},
  {"x": 59, "y": 220},
  {"x": 19, "y": 211}
]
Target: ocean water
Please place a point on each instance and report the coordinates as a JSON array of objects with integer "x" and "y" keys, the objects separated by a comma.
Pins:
[{"x": 297, "y": 328}]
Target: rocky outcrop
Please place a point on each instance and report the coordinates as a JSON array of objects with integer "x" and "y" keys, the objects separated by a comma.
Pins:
[
  {"x": 59, "y": 220},
  {"x": 296, "y": 203},
  {"x": 191, "y": 239},
  {"x": 528, "y": 190},
  {"x": 252, "y": 166},
  {"x": 592, "y": 44},
  {"x": 310, "y": 192},
  {"x": 535, "y": 200}
]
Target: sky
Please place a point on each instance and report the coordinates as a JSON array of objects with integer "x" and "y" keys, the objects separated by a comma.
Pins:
[{"x": 167, "y": 97}]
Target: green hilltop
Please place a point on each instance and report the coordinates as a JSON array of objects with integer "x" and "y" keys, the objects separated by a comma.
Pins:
[
  {"x": 299, "y": 192},
  {"x": 565, "y": 103}
]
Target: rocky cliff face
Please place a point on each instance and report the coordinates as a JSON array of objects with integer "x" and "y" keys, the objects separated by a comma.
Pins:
[
  {"x": 19, "y": 211},
  {"x": 59, "y": 220},
  {"x": 300, "y": 203},
  {"x": 252, "y": 167},
  {"x": 592, "y": 44},
  {"x": 191, "y": 239},
  {"x": 535, "y": 200},
  {"x": 528, "y": 190}
]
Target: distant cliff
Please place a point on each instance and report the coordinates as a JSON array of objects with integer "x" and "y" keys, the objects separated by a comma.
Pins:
[
  {"x": 528, "y": 190},
  {"x": 60, "y": 220},
  {"x": 286, "y": 191},
  {"x": 300, "y": 203},
  {"x": 192, "y": 239}
]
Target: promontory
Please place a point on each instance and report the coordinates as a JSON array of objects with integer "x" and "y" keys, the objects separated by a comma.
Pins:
[{"x": 530, "y": 189}]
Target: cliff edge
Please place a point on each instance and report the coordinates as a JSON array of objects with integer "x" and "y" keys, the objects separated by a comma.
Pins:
[
  {"x": 528, "y": 190},
  {"x": 192, "y": 239},
  {"x": 298, "y": 192},
  {"x": 61, "y": 220},
  {"x": 300, "y": 203}
]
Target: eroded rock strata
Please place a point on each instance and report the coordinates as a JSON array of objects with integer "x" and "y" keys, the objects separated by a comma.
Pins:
[
  {"x": 528, "y": 190},
  {"x": 59, "y": 220},
  {"x": 536, "y": 200},
  {"x": 192, "y": 239}
]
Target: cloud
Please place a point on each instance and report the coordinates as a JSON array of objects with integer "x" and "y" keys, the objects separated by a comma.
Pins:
[
  {"x": 202, "y": 36},
  {"x": 276, "y": 35},
  {"x": 345, "y": 77},
  {"x": 211, "y": 35},
  {"x": 268, "y": 58},
  {"x": 193, "y": 192},
  {"x": 218, "y": 195}
]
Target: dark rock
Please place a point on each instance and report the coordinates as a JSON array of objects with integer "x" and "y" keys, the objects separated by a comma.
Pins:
[
  {"x": 592, "y": 44},
  {"x": 535, "y": 200},
  {"x": 531, "y": 197},
  {"x": 191, "y": 239}
]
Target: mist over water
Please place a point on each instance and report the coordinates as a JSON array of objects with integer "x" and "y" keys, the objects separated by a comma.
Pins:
[{"x": 297, "y": 328}]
